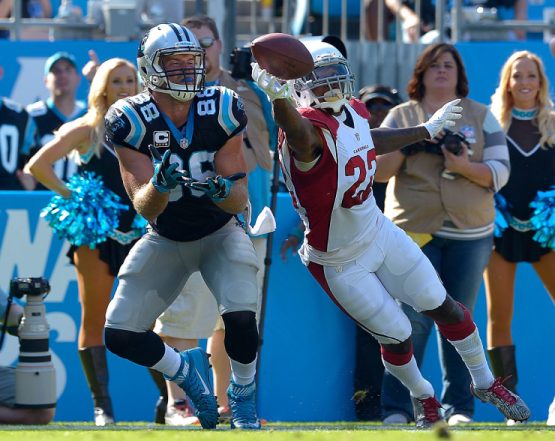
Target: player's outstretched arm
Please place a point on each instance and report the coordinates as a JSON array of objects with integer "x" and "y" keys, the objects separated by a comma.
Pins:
[
  {"x": 302, "y": 137},
  {"x": 388, "y": 140}
]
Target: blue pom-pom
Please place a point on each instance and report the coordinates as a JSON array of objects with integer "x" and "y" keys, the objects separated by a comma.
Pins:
[
  {"x": 543, "y": 218},
  {"x": 89, "y": 215},
  {"x": 502, "y": 215}
]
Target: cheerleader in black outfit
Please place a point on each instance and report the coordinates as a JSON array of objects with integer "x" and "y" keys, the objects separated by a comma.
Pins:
[
  {"x": 521, "y": 104},
  {"x": 96, "y": 268}
]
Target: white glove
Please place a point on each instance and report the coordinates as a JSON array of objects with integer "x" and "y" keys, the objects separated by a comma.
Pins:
[
  {"x": 271, "y": 85},
  {"x": 444, "y": 117}
]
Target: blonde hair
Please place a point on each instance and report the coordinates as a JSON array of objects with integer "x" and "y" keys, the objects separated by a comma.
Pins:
[
  {"x": 502, "y": 101},
  {"x": 98, "y": 103}
]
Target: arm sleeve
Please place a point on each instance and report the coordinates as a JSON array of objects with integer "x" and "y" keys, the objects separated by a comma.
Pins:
[
  {"x": 231, "y": 115},
  {"x": 496, "y": 153}
]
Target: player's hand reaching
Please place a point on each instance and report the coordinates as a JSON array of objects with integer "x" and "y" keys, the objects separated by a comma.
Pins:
[
  {"x": 275, "y": 88},
  {"x": 216, "y": 188},
  {"x": 166, "y": 175},
  {"x": 444, "y": 118}
]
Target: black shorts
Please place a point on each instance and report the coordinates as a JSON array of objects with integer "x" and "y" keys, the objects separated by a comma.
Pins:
[
  {"x": 516, "y": 246},
  {"x": 111, "y": 251}
]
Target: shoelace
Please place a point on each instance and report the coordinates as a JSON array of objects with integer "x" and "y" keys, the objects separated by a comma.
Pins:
[
  {"x": 431, "y": 405},
  {"x": 501, "y": 391}
]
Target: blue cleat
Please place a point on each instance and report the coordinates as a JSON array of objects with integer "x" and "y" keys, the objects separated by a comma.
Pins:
[
  {"x": 197, "y": 384},
  {"x": 243, "y": 406}
]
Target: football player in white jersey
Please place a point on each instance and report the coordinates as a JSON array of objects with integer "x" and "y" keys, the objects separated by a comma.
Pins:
[{"x": 359, "y": 257}]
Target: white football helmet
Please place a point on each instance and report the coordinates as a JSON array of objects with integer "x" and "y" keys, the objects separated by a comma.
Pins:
[
  {"x": 170, "y": 39},
  {"x": 331, "y": 70}
]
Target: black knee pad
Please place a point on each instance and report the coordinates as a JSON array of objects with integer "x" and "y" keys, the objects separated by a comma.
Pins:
[
  {"x": 241, "y": 336},
  {"x": 144, "y": 348}
]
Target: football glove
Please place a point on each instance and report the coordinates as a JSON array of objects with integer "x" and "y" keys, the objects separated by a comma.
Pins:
[
  {"x": 444, "y": 118},
  {"x": 272, "y": 86},
  {"x": 166, "y": 176},
  {"x": 216, "y": 188}
]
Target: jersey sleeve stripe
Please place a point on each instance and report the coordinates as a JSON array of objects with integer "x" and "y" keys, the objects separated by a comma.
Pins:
[
  {"x": 138, "y": 130},
  {"x": 226, "y": 119}
]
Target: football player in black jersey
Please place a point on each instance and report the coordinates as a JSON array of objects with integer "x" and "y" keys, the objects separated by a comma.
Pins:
[
  {"x": 96, "y": 268},
  {"x": 178, "y": 326},
  {"x": 181, "y": 160}
]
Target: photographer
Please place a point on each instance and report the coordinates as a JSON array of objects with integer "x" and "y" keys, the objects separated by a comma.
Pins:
[
  {"x": 450, "y": 215},
  {"x": 9, "y": 414}
]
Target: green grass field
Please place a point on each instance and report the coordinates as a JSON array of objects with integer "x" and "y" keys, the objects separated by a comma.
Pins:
[{"x": 276, "y": 432}]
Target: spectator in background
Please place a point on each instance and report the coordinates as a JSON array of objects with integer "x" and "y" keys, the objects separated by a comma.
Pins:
[
  {"x": 411, "y": 24},
  {"x": 17, "y": 129},
  {"x": 98, "y": 266},
  {"x": 62, "y": 80},
  {"x": 522, "y": 106},
  {"x": 379, "y": 100},
  {"x": 450, "y": 216},
  {"x": 5, "y": 12},
  {"x": 36, "y": 9},
  {"x": 194, "y": 314}
]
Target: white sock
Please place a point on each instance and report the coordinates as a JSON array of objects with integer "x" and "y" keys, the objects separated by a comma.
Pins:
[
  {"x": 412, "y": 378},
  {"x": 169, "y": 363},
  {"x": 243, "y": 374},
  {"x": 472, "y": 353}
]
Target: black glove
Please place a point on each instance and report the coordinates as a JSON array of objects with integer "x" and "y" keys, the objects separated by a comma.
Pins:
[
  {"x": 216, "y": 188},
  {"x": 166, "y": 176}
]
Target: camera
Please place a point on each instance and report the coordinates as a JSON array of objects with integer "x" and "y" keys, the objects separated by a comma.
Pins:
[
  {"x": 452, "y": 141},
  {"x": 35, "y": 376},
  {"x": 31, "y": 286},
  {"x": 240, "y": 62}
]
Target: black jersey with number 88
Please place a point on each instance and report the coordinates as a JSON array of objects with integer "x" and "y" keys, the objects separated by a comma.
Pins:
[{"x": 216, "y": 115}]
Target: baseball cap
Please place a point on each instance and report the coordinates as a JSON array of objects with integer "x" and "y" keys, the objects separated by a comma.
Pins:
[
  {"x": 53, "y": 59},
  {"x": 382, "y": 92}
]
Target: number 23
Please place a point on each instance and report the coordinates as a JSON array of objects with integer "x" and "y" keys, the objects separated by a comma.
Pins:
[{"x": 353, "y": 197}]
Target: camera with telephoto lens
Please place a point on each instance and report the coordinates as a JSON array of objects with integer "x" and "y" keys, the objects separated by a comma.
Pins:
[
  {"x": 240, "y": 60},
  {"x": 35, "y": 377}
]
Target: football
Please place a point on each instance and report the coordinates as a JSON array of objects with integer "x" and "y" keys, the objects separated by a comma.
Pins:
[{"x": 282, "y": 55}]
